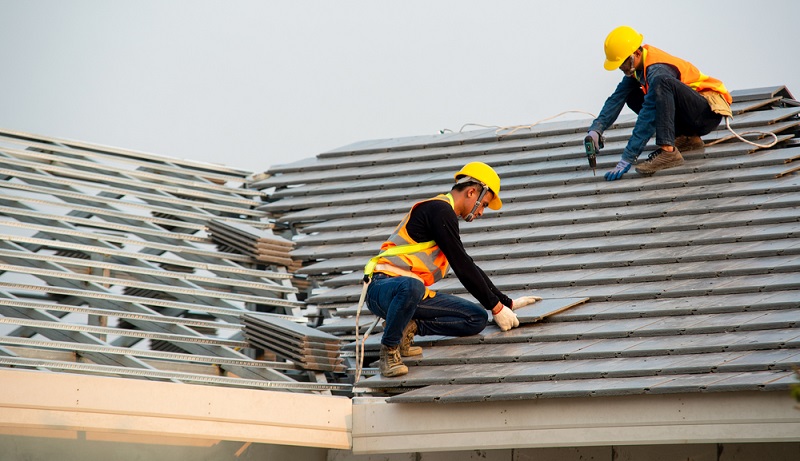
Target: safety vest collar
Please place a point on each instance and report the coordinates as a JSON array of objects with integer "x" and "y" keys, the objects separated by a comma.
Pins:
[{"x": 451, "y": 200}]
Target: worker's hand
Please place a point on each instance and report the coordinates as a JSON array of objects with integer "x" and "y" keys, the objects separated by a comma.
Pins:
[
  {"x": 595, "y": 139},
  {"x": 506, "y": 319},
  {"x": 619, "y": 170},
  {"x": 524, "y": 301}
]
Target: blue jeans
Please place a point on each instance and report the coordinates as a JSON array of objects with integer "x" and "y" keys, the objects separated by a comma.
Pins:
[
  {"x": 680, "y": 110},
  {"x": 399, "y": 299},
  {"x": 671, "y": 108}
]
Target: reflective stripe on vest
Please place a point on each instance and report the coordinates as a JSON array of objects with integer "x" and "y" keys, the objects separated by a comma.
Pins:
[
  {"x": 689, "y": 74},
  {"x": 424, "y": 259}
]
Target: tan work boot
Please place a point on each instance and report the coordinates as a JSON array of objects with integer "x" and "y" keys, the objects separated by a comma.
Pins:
[
  {"x": 660, "y": 160},
  {"x": 407, "y": 349},
  {"x": 390, "y": 363},
  {"x": 687, "y": 143}
]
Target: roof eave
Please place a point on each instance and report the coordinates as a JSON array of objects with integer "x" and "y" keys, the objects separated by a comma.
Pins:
[
  {"x": 726, "y": 417},
  {"x": 144, "y": 409}
]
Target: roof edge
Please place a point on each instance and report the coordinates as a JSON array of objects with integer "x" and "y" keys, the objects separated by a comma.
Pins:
[
  {"x": 143, "y": 409},
  {"x": 727, "y": 417}
]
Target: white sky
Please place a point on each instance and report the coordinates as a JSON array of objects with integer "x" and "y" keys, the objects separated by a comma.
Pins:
[{"x": 252, "y": 84}]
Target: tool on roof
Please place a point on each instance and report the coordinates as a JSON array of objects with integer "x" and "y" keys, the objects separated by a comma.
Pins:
[{"x": 592, "y": 146}]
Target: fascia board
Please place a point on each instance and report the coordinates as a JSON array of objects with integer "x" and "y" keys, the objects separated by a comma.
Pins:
[
  {"x": 758, "y": 416},
  {"x": 138, "y": 409},
  {"x": 58, "y": 401}
]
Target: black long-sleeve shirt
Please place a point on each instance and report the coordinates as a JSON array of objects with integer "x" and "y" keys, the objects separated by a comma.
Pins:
[{"x": 435, "y": 220}]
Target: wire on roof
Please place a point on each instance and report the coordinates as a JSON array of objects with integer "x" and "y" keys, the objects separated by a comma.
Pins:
[
  {"x": 763, "y": 146},
  {"x": 514, "y": 128}
]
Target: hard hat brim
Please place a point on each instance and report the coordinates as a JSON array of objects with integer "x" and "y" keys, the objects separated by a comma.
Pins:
[
  {"x": 496, "y": 203},
  {"x": 613, "y": 65},
  {"x": 484, "y": 175}
]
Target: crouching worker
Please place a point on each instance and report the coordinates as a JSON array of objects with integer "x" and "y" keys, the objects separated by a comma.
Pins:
[
  {"x": 673, "y": 100},
  {"x": 418, "y": 253}
]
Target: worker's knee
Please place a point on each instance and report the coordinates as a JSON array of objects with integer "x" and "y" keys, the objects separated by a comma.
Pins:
[
  {"x": 476, "y": 322},
  {"x": 412, "y": 288}
]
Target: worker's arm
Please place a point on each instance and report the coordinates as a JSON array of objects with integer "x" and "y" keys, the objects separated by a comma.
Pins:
[
  {"x": 614, "y": 104},
  {"x": 505, "y": 300},
  {"x": 435, "y": 220}
]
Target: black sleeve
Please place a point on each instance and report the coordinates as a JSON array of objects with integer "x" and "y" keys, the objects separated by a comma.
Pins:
[
  {"x": 505, "y": 300},
  {"x": 435, "y": 220}
]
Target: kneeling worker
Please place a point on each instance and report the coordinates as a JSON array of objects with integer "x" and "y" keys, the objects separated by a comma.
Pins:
[{"x": 419, "y": 253}]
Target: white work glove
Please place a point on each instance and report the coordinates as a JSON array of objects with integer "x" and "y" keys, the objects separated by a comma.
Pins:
[
  {"x": 524, "y": 301},
  {"x": 506, "y": 319}
]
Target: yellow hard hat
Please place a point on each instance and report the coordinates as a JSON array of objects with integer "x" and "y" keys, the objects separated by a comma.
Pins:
[
  {"x": 485, "y": 174},
  {"x": 620, "y": 45}
]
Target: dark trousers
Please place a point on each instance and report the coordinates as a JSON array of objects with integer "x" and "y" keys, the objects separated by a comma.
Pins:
[
  {"x": 680, "y": 110},
  {"x": 400, "y": 299}
]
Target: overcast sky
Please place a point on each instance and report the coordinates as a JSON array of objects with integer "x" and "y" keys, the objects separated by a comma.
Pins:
[{"x": 252, "y": 84}]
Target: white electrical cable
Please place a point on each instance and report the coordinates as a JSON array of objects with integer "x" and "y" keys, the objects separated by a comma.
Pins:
[
  {"x": 514, "y": 128},
  {"x": 476, "y": 124}
]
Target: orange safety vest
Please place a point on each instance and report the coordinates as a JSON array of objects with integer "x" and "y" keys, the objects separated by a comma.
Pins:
[
  {"x": 689, "y": 74},
  {"x": 429, "y": 265}
]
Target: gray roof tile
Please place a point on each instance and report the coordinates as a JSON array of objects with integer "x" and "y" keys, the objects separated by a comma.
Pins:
[{"x": 691, "y": 274}]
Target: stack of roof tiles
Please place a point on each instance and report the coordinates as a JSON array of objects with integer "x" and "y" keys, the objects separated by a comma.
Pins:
[
  {"x": 692, "y": 274},
  {"x": 262, "y": 246},
  {"x": 307, "y": 347},
  {"x": 103, "y": 250}
]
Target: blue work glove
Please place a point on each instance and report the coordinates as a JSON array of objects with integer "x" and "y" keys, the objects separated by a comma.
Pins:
[
  {"x": 619, "y": 170},
  {"x": 595, "y": 139}
]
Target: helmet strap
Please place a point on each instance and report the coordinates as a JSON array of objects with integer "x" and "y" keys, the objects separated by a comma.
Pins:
[{"x": 471, "y": 214}]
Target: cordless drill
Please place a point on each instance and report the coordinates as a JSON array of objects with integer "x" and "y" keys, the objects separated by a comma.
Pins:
[{"x": 591, "y": 152}]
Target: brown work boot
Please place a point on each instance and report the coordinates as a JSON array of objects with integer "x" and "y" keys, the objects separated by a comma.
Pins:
[
  {"x": 390, "y": 363},
  {"x": 407, "y": 349},
  {"x": 687, "y": 143},
  {"x": 660, "y": 160}
]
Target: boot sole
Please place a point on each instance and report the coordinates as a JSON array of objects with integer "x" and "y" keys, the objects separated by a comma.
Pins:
[{"x": 393, "y": 373}]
